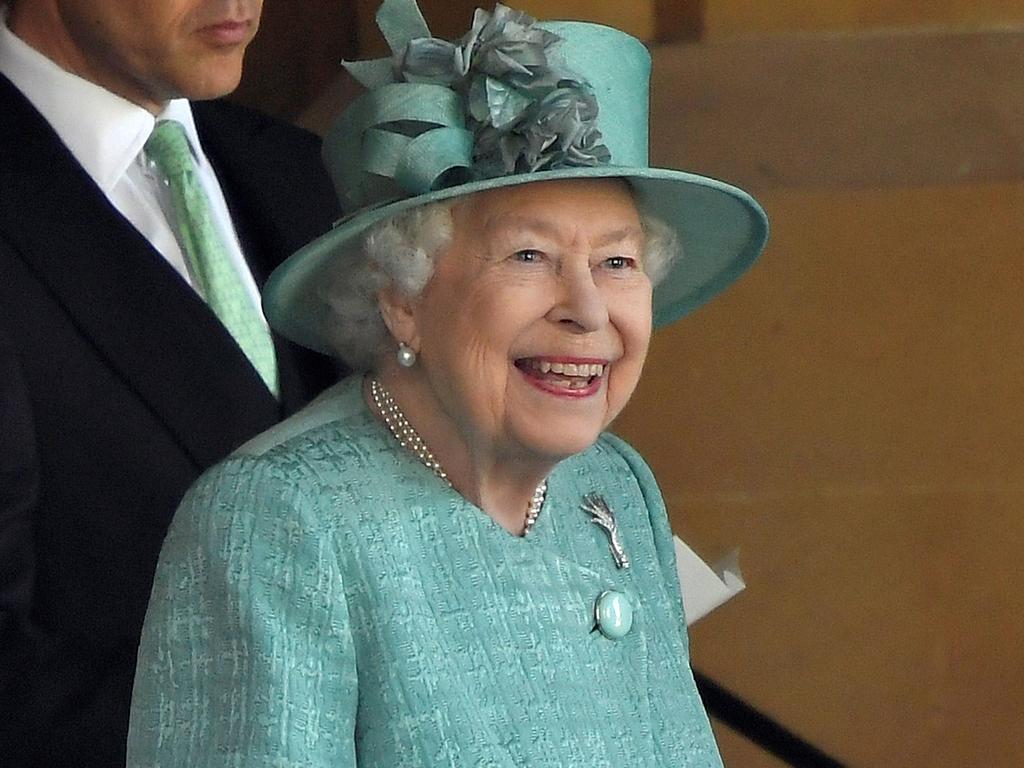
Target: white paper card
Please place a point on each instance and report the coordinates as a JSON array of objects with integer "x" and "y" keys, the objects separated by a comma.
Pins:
[{"x": 703, "y": 587}]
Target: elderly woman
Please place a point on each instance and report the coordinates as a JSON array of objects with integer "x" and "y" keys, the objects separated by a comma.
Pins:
[{"x": 446, "y": 560}]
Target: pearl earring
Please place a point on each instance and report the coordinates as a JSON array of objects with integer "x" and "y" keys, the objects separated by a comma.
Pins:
[{"x": 406, "y": 356}]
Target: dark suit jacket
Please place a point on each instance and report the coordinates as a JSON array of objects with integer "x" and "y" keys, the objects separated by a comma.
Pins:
[{"x": 118, "y": 386}]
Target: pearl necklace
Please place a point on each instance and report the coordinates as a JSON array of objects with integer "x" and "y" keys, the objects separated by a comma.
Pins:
[{"x": 410, "y": 440}]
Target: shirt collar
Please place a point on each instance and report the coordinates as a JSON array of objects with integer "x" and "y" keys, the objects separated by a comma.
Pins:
[{"x": 104, "y": 131}]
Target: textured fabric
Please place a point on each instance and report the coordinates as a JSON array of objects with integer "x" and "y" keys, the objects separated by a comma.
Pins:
[
  {"x": 324, "y": 600},
  {"x": 210, "y": 262}
]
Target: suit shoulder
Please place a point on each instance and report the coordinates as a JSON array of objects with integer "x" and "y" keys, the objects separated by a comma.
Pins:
[{"x": 227, "y": 121}]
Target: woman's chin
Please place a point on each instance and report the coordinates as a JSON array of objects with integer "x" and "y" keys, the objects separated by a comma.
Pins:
[
  {"x": 558, "y": 422},
  {"x": 554, "y": 442}
]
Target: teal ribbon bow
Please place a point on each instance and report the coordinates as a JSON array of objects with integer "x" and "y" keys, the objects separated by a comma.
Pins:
[{"x": 438, "y": 113}]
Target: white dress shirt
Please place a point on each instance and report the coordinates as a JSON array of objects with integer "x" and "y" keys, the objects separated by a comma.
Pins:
[{"x": 106, "y": 134}]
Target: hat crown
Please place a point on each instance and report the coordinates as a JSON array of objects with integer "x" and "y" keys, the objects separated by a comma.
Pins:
[
  {"x": 617, "y": 67},
  {"x": 513, "y": 97}
]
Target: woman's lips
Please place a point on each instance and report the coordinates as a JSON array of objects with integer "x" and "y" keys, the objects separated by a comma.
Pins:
[
  {"x": 227, "y": 32},
  {"x": 565, "y": 377}
]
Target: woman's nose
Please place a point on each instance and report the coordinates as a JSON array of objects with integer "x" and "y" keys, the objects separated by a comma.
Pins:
[{"x": 581, "y": 304}]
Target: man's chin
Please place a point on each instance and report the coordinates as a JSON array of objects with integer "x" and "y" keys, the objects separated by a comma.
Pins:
[{"x": 211, "y": 82}]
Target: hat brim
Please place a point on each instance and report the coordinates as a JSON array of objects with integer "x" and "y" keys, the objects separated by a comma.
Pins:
[{"x": 721, "y": 228}]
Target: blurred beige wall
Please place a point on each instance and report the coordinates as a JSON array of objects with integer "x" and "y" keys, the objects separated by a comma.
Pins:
[
  {"x": 744, "y": 18},
  {"x": 849, "y": 414}
]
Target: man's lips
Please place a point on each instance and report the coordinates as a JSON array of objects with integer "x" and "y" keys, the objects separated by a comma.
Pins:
[{"x": 227, "y": 32}]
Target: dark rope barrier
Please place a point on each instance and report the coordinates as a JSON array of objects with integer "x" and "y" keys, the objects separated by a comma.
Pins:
[{"x": 756, "y": 726}]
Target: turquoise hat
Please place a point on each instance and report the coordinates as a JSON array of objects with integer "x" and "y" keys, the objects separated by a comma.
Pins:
[{"x": 514, "y": 101}]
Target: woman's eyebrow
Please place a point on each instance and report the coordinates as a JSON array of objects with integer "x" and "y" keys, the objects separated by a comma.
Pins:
[
  {"x": 618, "y": 235},
  {"x": 516, "y": 223},
  {"x": 543, "y": 227}
]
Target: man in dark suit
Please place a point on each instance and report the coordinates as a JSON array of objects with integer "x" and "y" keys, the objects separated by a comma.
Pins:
[{"x": 118, "y": 382}]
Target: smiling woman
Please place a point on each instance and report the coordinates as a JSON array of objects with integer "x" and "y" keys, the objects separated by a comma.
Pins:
[
  {"x": 446, "y": 560},
  {"x": 538, "y": 289},
  {"x": 545, "y": 273}
]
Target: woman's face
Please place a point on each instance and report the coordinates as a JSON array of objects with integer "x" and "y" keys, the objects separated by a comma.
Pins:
[{"x": 533, "y": 330}]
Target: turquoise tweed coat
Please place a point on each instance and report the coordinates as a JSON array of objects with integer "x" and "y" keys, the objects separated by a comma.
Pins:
[{"x": 322, "y": 599}]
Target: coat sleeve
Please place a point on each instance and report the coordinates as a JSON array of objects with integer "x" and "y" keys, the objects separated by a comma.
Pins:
[
  {"x": 246, "y": 656},
  {"x": 20, "y": 642},
  {"x": 32, "y": 691},
  {"x": 62, "y": 684}
]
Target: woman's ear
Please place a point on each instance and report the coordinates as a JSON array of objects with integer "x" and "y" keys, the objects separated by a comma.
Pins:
[{"x": 399, "y": 313}]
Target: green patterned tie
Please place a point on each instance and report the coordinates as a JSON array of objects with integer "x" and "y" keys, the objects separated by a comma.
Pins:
[{"x": 208, "y": 259}]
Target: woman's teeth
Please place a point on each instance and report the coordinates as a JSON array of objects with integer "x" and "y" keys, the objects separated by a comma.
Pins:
[{"x": 581, "y": 370}]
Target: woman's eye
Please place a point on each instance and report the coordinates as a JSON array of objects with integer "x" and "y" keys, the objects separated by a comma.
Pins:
[
  {"x": 527, "y": 256},
  {"x": 620, "y": 262}
]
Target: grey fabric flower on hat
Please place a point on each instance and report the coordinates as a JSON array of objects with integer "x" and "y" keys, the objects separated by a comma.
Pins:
[{"x": 526, "y": 115}]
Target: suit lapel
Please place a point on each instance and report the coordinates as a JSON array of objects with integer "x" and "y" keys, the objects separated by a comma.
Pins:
[{"x": 140, "y": 317}]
